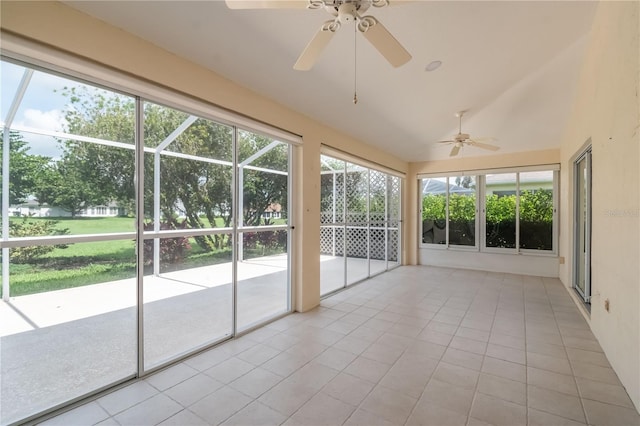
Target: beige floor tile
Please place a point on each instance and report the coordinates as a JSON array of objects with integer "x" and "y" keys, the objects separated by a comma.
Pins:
[
  {"x": 335, "y": 358},
  {"x": 456, "y": 375},
  {"x": 229, "y": 370},
  {"x": 184, "y": 417},
  {"x": 314, "y": 375},
  {"x": 287, "y": 396},
  {"x": 539, "y": 347},
  {"x": 365, "y": 418},
  {"x": 557, "y": 403},
  {"x": 352, "y": 344},
  {"x": 426, "y": 413},
  {"x": 509, "y": 390},
  {"x": 540, "y": 418},
  {"x": 149, "y": 412},
  {"x": 255, "y": 414},
  {"x": 601, "y": 414},
  {"x": 321, "y": 410},
  {"x": 476, "y": 422},
  {"x": 498, "y": 412},
  {"x": 389, "y": 404},
  {"x": 220, "y": 405},
  {"x": 409, "y": 378},
  {"x": 507, "y": 340},
  {"x": 193, "y": 389},
  {"x": 285, "y": 363},
  {"x": 448, "y": 396},
  {"x": 603, "y": 392},
  {"x": 208, "y": 359},
  {"x": 258, "y": 354},
  {"x": 588, "y": 357},
  {"x": 463, "y": 358},
  {"x": 584, "y": 344},
  {"x": 367, "y": 369},
  {"x": 505, "y": 369},
  {"x": 366, "y": 333},
  {"x": 506, "y": 354},
  {"x": 550, "y": 380},
  {"x": 256, "y": 382},
  {"x": 427, "y": 349},
  {"x": 171, "y": 376},
  {"x": 348, "y": 388},
  {"x": 126, "y": 397},
  {"x": 468, "y": 345},
  {"x": 383, "y": 353},
  {"x": 549, "y": 363},
  {"x": 595, "y": 372},
  {"x": 470, "y": 333}
]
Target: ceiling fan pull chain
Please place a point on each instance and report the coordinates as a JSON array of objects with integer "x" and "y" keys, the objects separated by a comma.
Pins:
[{"x": 355, "y": 63}]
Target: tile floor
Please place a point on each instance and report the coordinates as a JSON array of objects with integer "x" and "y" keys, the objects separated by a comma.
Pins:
[{"x": 415, "y": 346}]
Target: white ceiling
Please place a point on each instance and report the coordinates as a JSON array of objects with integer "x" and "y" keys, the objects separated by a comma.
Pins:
[{"x": 512, "y": 64}]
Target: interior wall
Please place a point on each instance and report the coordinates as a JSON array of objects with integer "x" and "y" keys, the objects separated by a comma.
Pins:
[
  {"x": 606, "y": 110},
  {"x": 64, "y": 28}
]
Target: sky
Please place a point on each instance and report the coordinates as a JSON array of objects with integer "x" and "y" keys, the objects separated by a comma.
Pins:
[{"x": 43, "y": 105}]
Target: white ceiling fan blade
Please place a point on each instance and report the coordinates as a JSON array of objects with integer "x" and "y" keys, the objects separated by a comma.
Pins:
[
  {"x": 267, "y": 4},
  {"x": 483, "y": 145},
  {"x": 454, "y": 151},
  {"x": 312, "y": 52},
  {"x": 382, "y": 40},
  {"x": 446, "y": 142}
]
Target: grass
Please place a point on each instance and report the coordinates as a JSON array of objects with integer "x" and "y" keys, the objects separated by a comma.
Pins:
[{"x": 83, "y": 264}]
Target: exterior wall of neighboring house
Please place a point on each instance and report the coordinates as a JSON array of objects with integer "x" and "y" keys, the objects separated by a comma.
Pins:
[{"x": 32, "y": 208}]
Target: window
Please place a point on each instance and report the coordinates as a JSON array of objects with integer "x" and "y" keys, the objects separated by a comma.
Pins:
[
  {"x": 449, "y": 211},
  {"x": 515, "y": 211}
]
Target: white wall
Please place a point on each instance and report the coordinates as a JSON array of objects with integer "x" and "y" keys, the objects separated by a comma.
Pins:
[
  {"x": 544, "y": 266},
  {"x": 606, "y": 110}
]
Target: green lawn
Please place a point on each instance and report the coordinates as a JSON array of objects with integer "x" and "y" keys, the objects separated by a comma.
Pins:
[{"x": 90, "y": 263}]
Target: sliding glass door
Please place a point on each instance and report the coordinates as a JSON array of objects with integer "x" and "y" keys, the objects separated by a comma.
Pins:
[
  {"x": 582, "y": 226},
  {"x": 133, "y": 234},
  {"x": 360, "y": 223}
]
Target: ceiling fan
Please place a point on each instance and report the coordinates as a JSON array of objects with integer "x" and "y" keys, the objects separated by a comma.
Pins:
[
  {"x": 344, "y": 12},
  {"x": 462, "y": 139}
]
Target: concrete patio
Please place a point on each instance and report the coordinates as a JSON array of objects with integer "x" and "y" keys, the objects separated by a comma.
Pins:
[{"x": 58, "y": 345}]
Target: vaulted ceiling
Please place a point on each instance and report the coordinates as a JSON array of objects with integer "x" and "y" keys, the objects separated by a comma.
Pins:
[{"x": 512, "y": 64}]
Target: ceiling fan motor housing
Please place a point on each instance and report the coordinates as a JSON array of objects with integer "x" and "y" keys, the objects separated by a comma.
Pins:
[{"x": 348, "y": 12}]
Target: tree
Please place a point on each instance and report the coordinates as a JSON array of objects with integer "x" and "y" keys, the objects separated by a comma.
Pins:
[
  {"x": 197, "y": 188},
  {"x": 24, "y": 168}
]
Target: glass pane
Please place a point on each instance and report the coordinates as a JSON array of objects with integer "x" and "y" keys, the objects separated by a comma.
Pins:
[
  {"x": 70, "y": 327},
  {"x": 434, "y": 205},
  {"x": 393, "y": 244},
  {"x": 263, "y": 179},
  {"x": 357, "y": 245},
  {"x": 191, "y": 162},
  {"x": 501, "y": 210},
  {"x": 331, "y": 258},
  {"x": 377, "y": 249},
  {"x": 462, "y": 210},
  {"x": 188, "y": 302},
  {"x": 536, "y": 210},
  {"x": 581, "y": 218},
  {"x": 57, "y": 180},
  {"x": 263, "y": 277}
]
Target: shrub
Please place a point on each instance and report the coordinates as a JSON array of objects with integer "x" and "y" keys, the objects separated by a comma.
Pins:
[
  {"x": 34, "y": 228},
  {"x": 172, "y": 250}
]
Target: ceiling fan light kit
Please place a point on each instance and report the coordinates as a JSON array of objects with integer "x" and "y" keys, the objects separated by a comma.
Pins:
[{"x": 344, "y": 12}]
